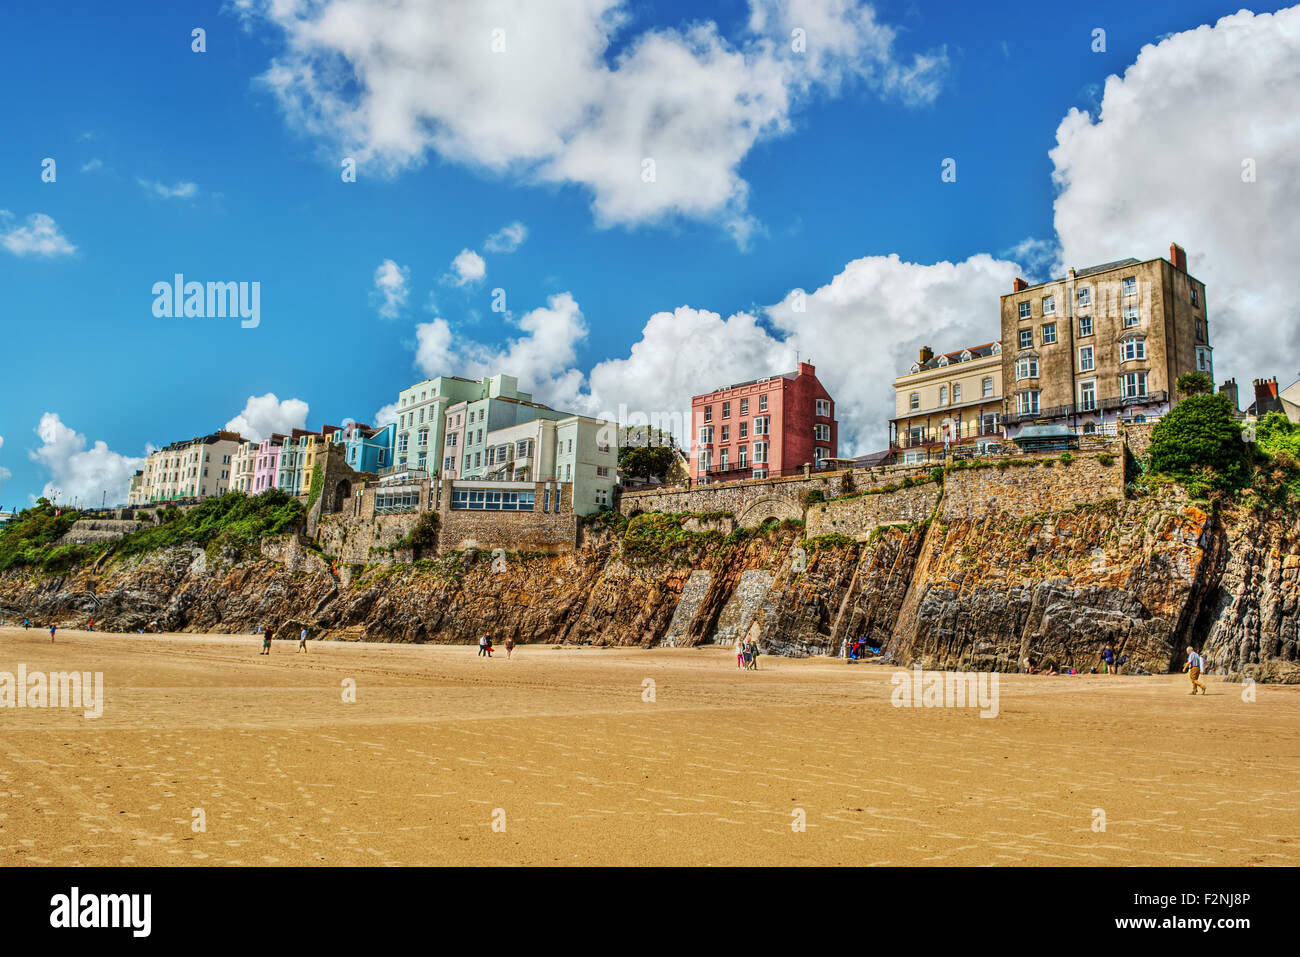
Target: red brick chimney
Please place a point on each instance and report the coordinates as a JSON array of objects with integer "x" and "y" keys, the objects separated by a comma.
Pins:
[
  {"x": 1178, "y": 256},
  {"x": 1266, "y": 399},
  {"x": 1019, "y": 284},
  {"x": 806, "y": 368}
]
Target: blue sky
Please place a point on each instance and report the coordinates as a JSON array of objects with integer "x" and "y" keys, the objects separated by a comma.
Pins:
[{"x": 172, "y": 161}]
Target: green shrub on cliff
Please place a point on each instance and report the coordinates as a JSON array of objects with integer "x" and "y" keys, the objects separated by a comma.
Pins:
[
  {"x": 233, "y": 520},
  {"x": 1200, "y": 441},
  {"x": 659, "y": 536},
  {"x": 833, "y": 540},
  {"x": 606, "y": 519},
  {"x": 29, "y": 539},
  {"x": 423, "y": 535}
]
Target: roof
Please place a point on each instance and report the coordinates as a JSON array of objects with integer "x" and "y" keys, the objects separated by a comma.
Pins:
[
  {"x": 976, "y": 352},
  {"x": 872, "y": 459},
  {"x": 1037, "y": 432},
  {"x": 1086, "y": 271}
]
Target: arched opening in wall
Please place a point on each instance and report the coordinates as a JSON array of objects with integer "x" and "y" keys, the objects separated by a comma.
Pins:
[
  {"x": 342, "y": 492},
  {"x": 772, "y": 519},
  {"x": 636, "y": 512}
]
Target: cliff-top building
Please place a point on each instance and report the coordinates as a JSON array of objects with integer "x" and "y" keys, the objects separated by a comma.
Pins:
[
  {"x": 1102, "y": 344},
  {"x": 770, "y": 426},
  {"x": 948, "y": 402},
  {"x": 191, "y": 469}
]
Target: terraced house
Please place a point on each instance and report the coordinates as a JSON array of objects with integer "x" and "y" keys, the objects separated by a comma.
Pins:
[
  {"x": 192, "y": 469},
  {"x": 948, "y": 402},
  {"x": 1103, "y": 344}
]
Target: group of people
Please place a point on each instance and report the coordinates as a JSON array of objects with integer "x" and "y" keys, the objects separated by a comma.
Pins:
[
  {"x": 485, "y": 646},
  {"x": 747, "y": 655},
  {"x": 857, "y": 648}
]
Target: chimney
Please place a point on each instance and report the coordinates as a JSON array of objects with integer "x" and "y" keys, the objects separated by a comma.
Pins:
[
  {"x": 1266, "y": 399},
  {"x": 926, "y": 354},
  {"x": 1019, "y": 284},
  {"x": 1229, "y": 388},
  {"x": 806, "y": 368},
  {"x": 1071, "y": 272},
  {"x": 1178, "y": 256}
]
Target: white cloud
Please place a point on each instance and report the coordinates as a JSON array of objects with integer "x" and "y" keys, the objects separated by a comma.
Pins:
[
  {"x": 897, "y": 306},
  {"x": 390, "y": 292},
  {"x": 385, "y": 416},
  {"x": 1164, "y": 161},
  {"x": 94, "y": 164},
  {"x": 266, "y": 414},
  {"x": 467, "y": 267},
  {"x": 390, "y": 81},
  {"x": 507, "y": 239},
  {"x": 76, "y": 471},
  {"x": 40, "y": 237},
  {"x": 1037, "y": 258},
  {"x": 179, "y": 191}
]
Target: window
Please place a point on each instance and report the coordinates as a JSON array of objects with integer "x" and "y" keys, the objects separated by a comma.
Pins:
[
  {"x": 1130, "y": 317},
  {"x": 449, "y": 463},
  {"x": 762, "y": 403},
  {"x": 1196, "y": 296},
  {"x": 568, "y": 473},
  {"x": 571, "y": 443},
  {"x": 726, "y": 433},
  {"x": 722, "y": 460},
  {"x": 744, "y": 430},
  {"x": 480, "y": 499},
  {"x": 956, "y": 392},
  {"x": 602, "y": 471},
  {"x": 451, "y": 440},
  {"x": 478, "y": 459},
  {"x": 1130, "y": 349},
  {"x": 1085, "y": 296},
  {"x": 1203, "y": 363},
  {"x": 824, "y": 407},
  {"x": 761, "y": 424},
  {"x": 742, "y": 456},
  {"x": 819, "y": 453},
  {"x": 422, "y": 438},
  {"x": 1085, "y": 326},
  {"x": 1134, "y": 385},
  {"x": 1129, "y": 286},
  {"x": 1025, "y": 310},
  {"x": 1200, "y": 330},
  {"x": 401, "y": 441},
  {"x": 760, "y": 453},
  {"x": 523, "y": 448},
  {"x": 822, "y": 433},
  {"x": 1049, "y": 305},
  {"x": 1026, "y": 338},
  {"x": 1049, "y": 333},
  {"x": 1087, "y": 395},
  {"x": 708, "y": 413},
  {"x": 744, "y": 407},
  {"x": 706, "y": 460},
  {"x": 420, "y": 460},
  {"x": 943, "y": 395},
  {"x": 468, "y": 461},
  {"x": 914, "y": 401},
  {"x": 1027, "y": 367},
  {"x": 421, "y": 415},
  {"x": 706, "y": 435},
  {"x": 1085, "y": 359},
  {"x": 1027, "y": 402},
  {"x": 726, "y": 410},
  {"x": 987, "y": 386}
]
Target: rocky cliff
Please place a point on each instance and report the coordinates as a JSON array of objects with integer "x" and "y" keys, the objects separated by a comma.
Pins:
[{"x": 1147, "y": 576}]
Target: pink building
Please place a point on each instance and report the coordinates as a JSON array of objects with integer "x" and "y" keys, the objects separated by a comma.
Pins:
[
  {"x": 764, "y": 427},
  {"x": 266, "y": 471}
]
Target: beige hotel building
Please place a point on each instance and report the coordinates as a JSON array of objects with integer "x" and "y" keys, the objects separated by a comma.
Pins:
[{"x": 951, "y": 401}]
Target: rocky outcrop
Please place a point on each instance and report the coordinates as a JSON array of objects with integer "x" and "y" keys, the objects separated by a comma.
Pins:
[{"x": 1147, "y": 576}]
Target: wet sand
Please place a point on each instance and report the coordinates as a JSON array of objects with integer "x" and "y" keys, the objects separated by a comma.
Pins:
[{"x": 555, "y": 757}]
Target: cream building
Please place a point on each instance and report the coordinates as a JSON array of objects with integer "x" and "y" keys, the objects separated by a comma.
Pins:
[
  {"x": 193, "y": 469},
  {"x": 242, "y": 466},
  {"x": 948, "y": 402}
]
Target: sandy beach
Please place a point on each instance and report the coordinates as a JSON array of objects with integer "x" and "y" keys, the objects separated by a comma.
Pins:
[{"x": 569, "y": 756}]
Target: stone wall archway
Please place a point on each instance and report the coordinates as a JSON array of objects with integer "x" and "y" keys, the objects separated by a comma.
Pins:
[{"x": 768, "y": 506}]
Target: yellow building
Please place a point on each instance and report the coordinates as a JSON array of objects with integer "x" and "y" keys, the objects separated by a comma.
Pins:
[{"x": 948, "y": 402}]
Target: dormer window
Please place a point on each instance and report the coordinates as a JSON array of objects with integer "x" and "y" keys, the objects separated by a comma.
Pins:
[
  {"x": 943, "y": 360},
  {"x": 966, "y": 356},
  {"x": 915, "y": 368}
]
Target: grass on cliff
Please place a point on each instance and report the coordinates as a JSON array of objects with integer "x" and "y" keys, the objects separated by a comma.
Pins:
[{"x": 233, "y": 520}]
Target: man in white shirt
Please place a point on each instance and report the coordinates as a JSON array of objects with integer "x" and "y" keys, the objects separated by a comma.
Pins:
[{"x": 1193, "y": 668}]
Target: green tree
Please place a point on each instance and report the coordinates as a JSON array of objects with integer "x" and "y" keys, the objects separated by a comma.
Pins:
[
  {"x": 641, "y": 462},
  {"x": 1194, "y": 383},
  {"x": 1200, "y": 433}
]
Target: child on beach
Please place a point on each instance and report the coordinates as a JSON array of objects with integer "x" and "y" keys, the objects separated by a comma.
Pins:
[
  {"x": 302, "y": 641},
  {"x": 740, "y": 656},
  {"x": 266, "y": 642},
  {"x": 510, "y": 646},
  {"x": 52, "y": 636}
]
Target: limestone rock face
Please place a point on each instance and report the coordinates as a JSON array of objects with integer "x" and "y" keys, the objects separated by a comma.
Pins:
[{"x": 1147, "y": 576}]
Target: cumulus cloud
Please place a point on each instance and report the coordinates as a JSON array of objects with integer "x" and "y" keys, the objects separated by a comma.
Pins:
[
  {"x": 179, "y": 191},
  {"x": 266, "y": 414},
  {"x": 390, "y": 293},
  {"x": 1167, "y": 161},
  {"x": 39, "y": 237},
  {"x": 78, "y": 471},
  {"x": 897, "y": 306},
  {"x": 466, "y": 268},
  {"x": 507, "y": 239},
  {"x": 530, "y": 89},
  {"x": 386, "y": 415}
]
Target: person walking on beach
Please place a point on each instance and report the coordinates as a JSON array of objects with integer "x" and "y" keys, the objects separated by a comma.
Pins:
[
  {"x": 482, "y": 646},
  {"x": 740, "y": 656},
  {"x": 1193, "y": 668},
  {"x": 52, "y": 636},
  {"x": 510, "y": 646},
  {"x": 753, "y": 655},
  {"x": 27, "y": 623},
  {"x": 302, "y": 641},
  {"x": 266, "y": 642},
  {"x": 91, "y": 625},
  {"x": 1108, "y": 656}
]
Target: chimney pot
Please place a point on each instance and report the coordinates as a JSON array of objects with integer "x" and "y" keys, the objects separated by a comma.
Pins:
[
  {"x": 1019, "y": 284},
  {"x": 1178, "y": 256}
]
